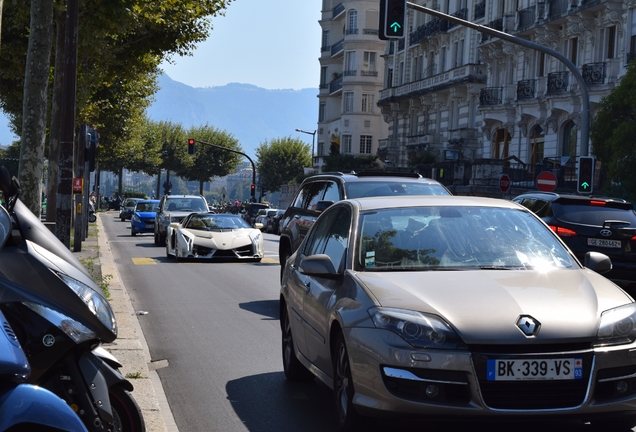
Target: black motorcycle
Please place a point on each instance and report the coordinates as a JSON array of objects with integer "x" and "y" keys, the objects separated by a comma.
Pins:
[{"x": 61, "y": 317}]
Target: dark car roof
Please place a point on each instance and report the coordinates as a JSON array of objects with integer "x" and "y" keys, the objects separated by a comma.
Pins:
[
  {"x": 369, "y": 175},
  {"x": 573, "y": 199}
]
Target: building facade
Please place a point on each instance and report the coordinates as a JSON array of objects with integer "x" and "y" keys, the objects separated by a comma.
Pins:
[
  {"x": 482, "y": 105},
  {"x": 351, "y": 77}
]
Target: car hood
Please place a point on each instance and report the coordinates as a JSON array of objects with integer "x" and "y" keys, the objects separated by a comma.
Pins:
[
  {"x": 483, "y": 306},
  {"x": 146, "y": 214}
]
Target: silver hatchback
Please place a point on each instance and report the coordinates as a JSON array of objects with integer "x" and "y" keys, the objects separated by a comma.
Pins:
[{"x": 456, "y": 307}]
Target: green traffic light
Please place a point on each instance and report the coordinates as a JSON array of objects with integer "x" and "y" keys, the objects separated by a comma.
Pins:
[
  {"x": 395, "y": 26},
  {"x": 585, "y": 185}
]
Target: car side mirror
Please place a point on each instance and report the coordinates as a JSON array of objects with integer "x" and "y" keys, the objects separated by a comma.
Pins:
[
  {"x": 323, "y": 205},
  {"x": 258, "y": 225},
  {"x": 598, "y": 262},
  {"x": 318, "y": 265}
]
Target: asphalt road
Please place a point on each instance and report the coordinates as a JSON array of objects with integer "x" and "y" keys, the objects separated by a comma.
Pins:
[{"x": 217, "y": 326}]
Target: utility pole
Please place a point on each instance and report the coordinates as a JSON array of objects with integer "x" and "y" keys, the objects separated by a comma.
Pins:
[{"x": 585, "y": 98}]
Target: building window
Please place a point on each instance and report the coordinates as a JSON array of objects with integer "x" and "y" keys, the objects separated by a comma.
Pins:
[
  {"x": 325, "y": 39},
  {"x": 541, "y": 71},
  {"x": 568, "y": 141},
  {"x": 365, "y": 144},
  {"x": 442, "y": 60},
  {"x": 353, "y": 22},
  {"x": 346, "y": 144},
  {"x": 500, "y": 144},
  {"x": 323, "y": 77},
  {"x": 368, "y": 100},
  {"x": 459, "y": 53},
  {"x": 537, "y": 139},
  {"x": 350, "y": 63},
  {"x": 574, "y": 48},
  {"x": 369, "y": 62},
  {"x": 401, "y": 73},
  {"x": 347, "y": 101},
  {"x": 322, "y": 111},
  {"x": 611, "y": 42}
]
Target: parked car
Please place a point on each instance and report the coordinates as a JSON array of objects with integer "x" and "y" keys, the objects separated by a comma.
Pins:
[
  {"x": 143, "y": 218},
  {"x": 173, "y": 208},
  {"x": 318, "y": 192},
  {"x": 273, "y": 224},
  {"x": 456, "y": 307},
  {"x": 127, "y": 208},
  {"x": 207, "y": 236},
  {"x": 600, "y": 224},
  {"x": 264, "y": 216},
  {"x": 251, "y": 211}
]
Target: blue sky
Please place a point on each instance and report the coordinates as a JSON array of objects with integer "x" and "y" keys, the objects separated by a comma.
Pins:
[{"x": 273, "y": 44}]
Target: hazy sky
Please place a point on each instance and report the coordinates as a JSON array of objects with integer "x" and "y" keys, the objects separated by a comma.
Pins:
[{"x": 273, "y": 44}]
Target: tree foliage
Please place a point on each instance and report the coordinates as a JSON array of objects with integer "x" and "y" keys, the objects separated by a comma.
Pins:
[
  {"x": 281, "y": 161},
  {"x": 613, "y": 132},
  {"x": 348, "y": 163}
]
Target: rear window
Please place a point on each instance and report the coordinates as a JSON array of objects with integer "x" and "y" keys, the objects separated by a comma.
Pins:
[
  {"x": 592, "y": 215},
  {"x": 387, "y": 188},
  {"x": 186, "y": 204}
]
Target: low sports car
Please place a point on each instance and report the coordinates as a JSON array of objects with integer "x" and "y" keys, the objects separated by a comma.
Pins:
[{"x": 207, "y": 235}]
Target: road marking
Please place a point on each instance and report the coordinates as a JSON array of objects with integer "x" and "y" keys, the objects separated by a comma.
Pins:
[
  {"x": 144, "y": 261},
  {"x": 269, "y": 261}
]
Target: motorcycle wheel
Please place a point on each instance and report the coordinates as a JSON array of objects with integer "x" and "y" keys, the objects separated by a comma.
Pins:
[
  {"x": 127, "y": 416},
  {"x": 92, "y": 217}
]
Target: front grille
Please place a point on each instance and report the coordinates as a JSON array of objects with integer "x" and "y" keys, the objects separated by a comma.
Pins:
[
  {"x": 149, "y": 221},
  {"x": 533, "y": 395}
]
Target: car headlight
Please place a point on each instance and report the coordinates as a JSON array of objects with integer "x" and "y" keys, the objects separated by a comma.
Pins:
[
  {"x": 96, "y": 303},
  {"x": 135, "y": 218},
  {"x": 618, "y": 326},
  {"x": 419, "y": 329},
  {"x": 74, "y": 329}
]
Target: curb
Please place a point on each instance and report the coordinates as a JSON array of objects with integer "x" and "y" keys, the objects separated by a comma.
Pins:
[{"x": 130, "y": 347}]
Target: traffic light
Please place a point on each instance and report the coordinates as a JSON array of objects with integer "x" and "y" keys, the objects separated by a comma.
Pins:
[
  {"x": 191, "y": 146},
  {"x": 252, "y": 189},
  {"x": 392, "y": 19},
  {"x": 586, "y": 175}
]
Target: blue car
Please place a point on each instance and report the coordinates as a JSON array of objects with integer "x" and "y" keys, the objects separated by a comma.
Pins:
[{"x": 143, "y": 218}]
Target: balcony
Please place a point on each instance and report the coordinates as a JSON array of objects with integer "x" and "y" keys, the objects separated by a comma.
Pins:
[
  {"x": 525, "y": 89},
  {"x": 351, "y": 31},
  {"x": 369, "y": 73},
  {"x": 462, "y": 14},
  {"x": 496, "y": 25},
  {"x": 557, "y": 8},
  {"x": 335, "y": 85},
  {"x": 352, "y": 72},
  {"x": 557, "y": 83},
  {"x": 339, "y": 9},
  {"x": 325, "y": 48},
  {"x": 431, "y": 28},
  {"x": 490, "y": 96},
  {"x": 593, "y": 73},
  {"x": 480, "y": 10},
  {"x": 337, "y": 47},
  {"x": 370, "y": 31},
  {"x": 526, "y": 18}
]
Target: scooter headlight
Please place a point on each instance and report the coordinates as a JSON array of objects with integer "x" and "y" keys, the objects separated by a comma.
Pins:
[
  {"x": 74, "y": 329},
  {"x": 96, "y": 303}
]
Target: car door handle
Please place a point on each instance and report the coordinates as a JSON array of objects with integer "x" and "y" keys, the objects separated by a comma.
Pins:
[{"x": 307, "y": 286}]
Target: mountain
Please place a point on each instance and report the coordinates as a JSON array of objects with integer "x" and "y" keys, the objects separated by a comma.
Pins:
[{"x": 252, "y": 114}]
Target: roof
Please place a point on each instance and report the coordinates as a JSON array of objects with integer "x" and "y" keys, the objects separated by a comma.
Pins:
[{"x": 372, "y": 203}]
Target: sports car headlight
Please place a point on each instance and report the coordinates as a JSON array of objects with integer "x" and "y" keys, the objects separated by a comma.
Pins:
[
  {"x": 618, "y": 326},
  {"x": 73, "y": 329},
  {"x": 97, "y": 304},
  {"x": 419, "y": 329}
]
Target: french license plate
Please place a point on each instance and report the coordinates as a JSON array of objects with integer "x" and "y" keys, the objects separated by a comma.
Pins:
[
  {"x": 150, "y": 225},
  {"x": 604, "y": 243},
  {"x": 534, "y": 369}
]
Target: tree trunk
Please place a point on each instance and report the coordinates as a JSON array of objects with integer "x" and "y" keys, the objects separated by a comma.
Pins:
[
  {"x": 56, "y": 117},
  {"x": 1, "y": 16},
  {"x": 34, "y": 104},
  {"x": 201, "y": 187}
]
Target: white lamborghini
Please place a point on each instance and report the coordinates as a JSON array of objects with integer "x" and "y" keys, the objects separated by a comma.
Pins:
[{"x": 207, "y": 236}]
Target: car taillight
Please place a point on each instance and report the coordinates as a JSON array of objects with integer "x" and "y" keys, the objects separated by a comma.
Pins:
[
  {"x": 563, "y": 232},
  {"x": 634, "y": 238},
  {"x": 597, "y": 203}
]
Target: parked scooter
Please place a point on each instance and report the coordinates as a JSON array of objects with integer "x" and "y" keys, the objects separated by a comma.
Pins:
[
  {"x": 24, "y": 406},
  {"x": 60, "y": 317},
  {"x": 92, "y": 217}
]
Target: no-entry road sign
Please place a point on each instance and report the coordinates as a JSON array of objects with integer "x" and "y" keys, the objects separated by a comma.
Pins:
[
  {"x": 546, "y": 181},
  {"x": 504, "y": 183}
]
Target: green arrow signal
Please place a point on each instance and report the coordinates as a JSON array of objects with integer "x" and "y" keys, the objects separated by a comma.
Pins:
[
  {"x": 395, "y": 26},
  {"x": 585, "y": 185}
]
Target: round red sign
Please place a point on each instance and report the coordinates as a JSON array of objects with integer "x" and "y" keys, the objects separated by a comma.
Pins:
[
  {"x": 546, "y": 181},
  {"x": 504, "y": 183}
]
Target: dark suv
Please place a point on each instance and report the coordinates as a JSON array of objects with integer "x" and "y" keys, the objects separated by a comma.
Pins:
[
  {"x": 318, "y": 192},
  {"x": 599, "y": 224}
]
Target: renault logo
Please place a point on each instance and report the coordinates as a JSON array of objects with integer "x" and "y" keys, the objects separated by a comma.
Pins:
[
  {"x": 528, "y": 325},
  {"x": 606, "y": 232}
]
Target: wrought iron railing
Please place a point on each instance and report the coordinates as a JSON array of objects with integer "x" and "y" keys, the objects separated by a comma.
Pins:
[
  {"x": 352, "y": 72},
  {"x": 351, "y": 31},
  {"x": 494, "y": 24},
  {"x": 462, "y": 14},
  {"x": 526, "y": 18},
  {"x": 480, "y": 10},
  {"x": 525, "y": 89},
  {"x": 335, "y": 85},
  {"x": 325, "y": 48},
  {"x": 370, "y": 31},
  {"x": 557, "y": 82},
  {"x": 369, "y": 73},
  {"x": 557, "y": 8},
  {"x": 431, "y": 28},
  {"x": 593, "y": 73},
  {"x": 489, "y": 96}
]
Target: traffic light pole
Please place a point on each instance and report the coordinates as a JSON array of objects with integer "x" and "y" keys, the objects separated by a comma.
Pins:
[
  {"x": 252, "y": 190},
  {"x": 585, "y": 98}
]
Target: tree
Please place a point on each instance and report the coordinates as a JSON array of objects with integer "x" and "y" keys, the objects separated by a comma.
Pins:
[
  {"x": 211, "y": 161},
  {"x": 281, "y": 161},
  {"x": 612, "y": 134},
  {"x": 348, "y": 163}
]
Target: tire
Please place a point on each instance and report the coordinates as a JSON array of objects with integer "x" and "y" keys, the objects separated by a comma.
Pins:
[
  {"x": 348, "y": 418},
  {"x": 293, "y": 368},
  {"x": 92, "y": 217},
  {"x": 617, "y": 424},
  {"x": 285, "y": 256},
  {"x": 127, "y": 416},
  {"x": 132, "y": 233},
  {"x": 123, "y": 219}
]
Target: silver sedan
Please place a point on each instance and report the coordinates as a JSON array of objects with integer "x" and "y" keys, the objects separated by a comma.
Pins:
[{"x": 456, "y": 307}]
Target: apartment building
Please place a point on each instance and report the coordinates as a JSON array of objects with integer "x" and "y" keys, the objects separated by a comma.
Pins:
[
  {"x": 351, "y": 77},
  {"x": 489, "y": 105}
]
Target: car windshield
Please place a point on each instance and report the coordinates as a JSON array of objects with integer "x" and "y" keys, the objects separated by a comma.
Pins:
[
  {"x": 389, "y": 188},
  {"x": 186, "y": 204},
  {"x": 212, "y": 222},
  {"x": 147, "y": 207},
  {"x": 593, "y": 215},
  {"x": 457, "y": 238}
]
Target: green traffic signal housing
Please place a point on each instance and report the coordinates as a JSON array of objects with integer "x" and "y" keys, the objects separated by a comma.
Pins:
[
  {"x": 392, "y": 19},
  {"x": 585, "y": 183}
]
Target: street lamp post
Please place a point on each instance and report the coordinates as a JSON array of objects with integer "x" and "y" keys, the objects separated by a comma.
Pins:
[{"x": 313, "y": 137}]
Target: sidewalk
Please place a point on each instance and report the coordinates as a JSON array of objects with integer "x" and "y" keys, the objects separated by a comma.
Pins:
[{"x": 130, "y": 346}]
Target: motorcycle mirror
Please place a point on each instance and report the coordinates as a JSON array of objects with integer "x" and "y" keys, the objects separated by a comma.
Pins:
[{"x": 5, "y": 226}]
